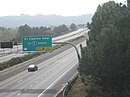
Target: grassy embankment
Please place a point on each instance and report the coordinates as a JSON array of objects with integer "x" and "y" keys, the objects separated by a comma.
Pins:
[{"x": 78, "y": 89}]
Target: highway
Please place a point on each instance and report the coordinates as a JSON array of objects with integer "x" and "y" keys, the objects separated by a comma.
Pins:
[
  {"x": 62, "y": 38},
  {"x": 50, "y": 78},
  {"x": 16, "y": 51}
]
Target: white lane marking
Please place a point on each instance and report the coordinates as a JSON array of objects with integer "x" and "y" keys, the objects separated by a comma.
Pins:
[
  {"x": 41, "y": 78},
  {"x": 56, "y": 80},
  {"x": 18, "y": 94},
  {"x": 30, "y": 85},
  {"x": 45, "y": 75},
  {"x": 19, "y": 81},
  {"x": 36, "y": 81},
  {"x": 63, "y": 86}
]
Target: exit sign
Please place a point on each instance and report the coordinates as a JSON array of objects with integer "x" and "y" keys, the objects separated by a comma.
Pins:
[{"x": 37, "y": 43}]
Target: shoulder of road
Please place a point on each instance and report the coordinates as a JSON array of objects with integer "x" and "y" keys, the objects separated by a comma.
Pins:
[{"x": 78, "y": 89}]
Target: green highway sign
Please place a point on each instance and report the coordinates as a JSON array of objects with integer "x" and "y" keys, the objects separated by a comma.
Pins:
[{"x": 37, "y": 43}]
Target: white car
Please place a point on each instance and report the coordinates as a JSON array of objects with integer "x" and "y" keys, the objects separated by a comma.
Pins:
[{"x": 32, "y": 67}]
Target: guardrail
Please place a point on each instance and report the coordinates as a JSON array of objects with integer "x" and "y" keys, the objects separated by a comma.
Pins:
[{"x": 69, "y": 85}]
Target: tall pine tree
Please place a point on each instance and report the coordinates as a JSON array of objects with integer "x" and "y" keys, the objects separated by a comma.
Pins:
[{"x": 107, "y": 55}]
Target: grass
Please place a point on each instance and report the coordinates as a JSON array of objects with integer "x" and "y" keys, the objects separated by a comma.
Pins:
[{"x": 78, "y": 89}]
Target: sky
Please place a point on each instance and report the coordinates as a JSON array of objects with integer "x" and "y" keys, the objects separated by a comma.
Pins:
[{"x": 50, "y": 7}]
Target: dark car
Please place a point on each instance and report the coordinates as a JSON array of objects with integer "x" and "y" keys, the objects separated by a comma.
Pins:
[{"x": 32, "y": 67}]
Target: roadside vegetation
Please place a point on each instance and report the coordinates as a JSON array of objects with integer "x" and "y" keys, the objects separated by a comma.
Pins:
[
  {"x": 17, "y": 60},
  {"x": 7, "y": 34},
  {"x": 105, "y": 63},
  {"x": 78, "y": 89},
  {"x": 15, "y": 35}
]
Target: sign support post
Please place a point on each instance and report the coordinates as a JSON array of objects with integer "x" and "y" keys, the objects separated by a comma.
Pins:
[{"x": 71, "y": 45}]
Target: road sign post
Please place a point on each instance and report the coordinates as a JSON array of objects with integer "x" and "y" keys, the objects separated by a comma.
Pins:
[
  {"x": 37, "y": 43},
  {"x": 71, "y": 45}
]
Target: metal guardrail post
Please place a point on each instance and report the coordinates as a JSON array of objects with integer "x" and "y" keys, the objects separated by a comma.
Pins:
[{"x": 64, "y": 92}]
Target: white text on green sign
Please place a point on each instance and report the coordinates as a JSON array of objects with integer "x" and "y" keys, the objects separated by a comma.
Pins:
[{"x": 31, "y": 43}]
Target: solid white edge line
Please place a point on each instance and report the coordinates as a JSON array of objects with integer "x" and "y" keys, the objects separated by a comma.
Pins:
[
  {"x": 56, "y": 80},
  {"x": 65, "y": 85}
]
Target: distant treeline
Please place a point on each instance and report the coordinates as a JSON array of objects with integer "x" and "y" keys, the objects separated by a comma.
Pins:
[{"x": 15, "y": 35}]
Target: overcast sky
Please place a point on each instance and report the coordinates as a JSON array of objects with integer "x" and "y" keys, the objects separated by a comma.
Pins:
[{"x": 50, "y": 7}]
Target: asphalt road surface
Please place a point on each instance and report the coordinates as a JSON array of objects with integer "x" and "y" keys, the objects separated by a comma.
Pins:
[{"x": 47, "y": 81}]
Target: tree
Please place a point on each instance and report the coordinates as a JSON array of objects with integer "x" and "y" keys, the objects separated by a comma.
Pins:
[
  {"x": 106, "y": 57},
  {"x": 61, "y": 29},
  {"x": 73, "y": 27},
  {"x": 7, "y": 34},
  {"x": 31, "y": 31},
  {"x": 128, "y": 3},
  {"x": 88, "y": 25},
  {"x": 24, "y": 30}
]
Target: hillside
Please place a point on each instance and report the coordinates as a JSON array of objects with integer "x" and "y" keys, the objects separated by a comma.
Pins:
[{"x": 43, "y": 20}]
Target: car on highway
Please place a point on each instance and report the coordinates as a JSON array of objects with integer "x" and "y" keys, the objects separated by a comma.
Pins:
[{"x": 32, "y": 67}]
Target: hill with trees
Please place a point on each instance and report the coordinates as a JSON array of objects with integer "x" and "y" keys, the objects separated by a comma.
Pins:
[{"x": 105, "y": 63}]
